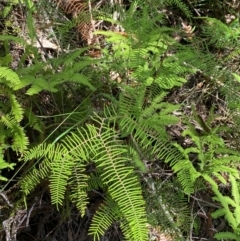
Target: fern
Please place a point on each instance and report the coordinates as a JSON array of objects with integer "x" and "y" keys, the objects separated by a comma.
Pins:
[
  {"x": 35, "y": 176},
  {"x": 131, "y": 130},
  {"x": 219, "y": 34},
  {"x": 142, "y": 117},
  {"x": 149, "y": 54},
  {"x": 231, "y": 214},
  {"x": 3, "y": 165},
  {"x": 181, "y": 5},
  {"x": 213, "y": 159},
  {"x": 144, "y": 114},
  {"x": 104, "y": 218},
  {"x": 61, "y": 167},
  {"x": 137, "y": 113},
  {"x": 186, "y": 172},
  {"x": 133, "y": 56},
  {"x": 100, "y": 145},
  {"x": 10, "y": 117},
  {"x": 79, "y": 185},
  {"x": 118, "y": 178}
]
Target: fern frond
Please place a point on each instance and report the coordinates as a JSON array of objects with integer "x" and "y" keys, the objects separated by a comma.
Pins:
[
  {"x": 181, "y": 5},
  {"x": 186, "y": 172},
  {"x": 79, "y": 186},
  {"x": 3, "y": 165},
  {"x": 61, "y": 171},
  {"x": 226, "y": 235},
  {"x": 222, "y": 168},
  {"x": 231, "y": 216},
  {"x": 17, "y": 110},
  {"x": 122, "y": 184},
  {"x": 29, "y": 182},
  {"x": 138, "y": 52},
  {"x": 9, "y": 77},
  {"x": 136, "y": 159},
  {"x": 95, "y": 181},
  {"x": 187, "y": 178},
  {"x": 235, "y": 189},
  {"x": 100, "y": 144},
  {"x": 220, "y": 34},
  {"x": 141, "y": 115},
  {"x": 104, "y": 218},
  {"x": 145, "y": 121},
  {"x": 41, "y": 151},
  {"x": 33, "y": 120},
  {"x": 20, "y": 140},
  {"x": 44, "y": 154}
]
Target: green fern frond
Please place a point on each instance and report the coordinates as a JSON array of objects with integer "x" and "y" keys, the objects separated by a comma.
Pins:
[
  {"x": 79, "y": 186},
  {"x": 140, "y": 115},
  {"x": 214, "y": 160},
  {"x": 82, "y": 143},
  {"x": 11, "y": 115},
  {"x": 231, "y": 214},
  {"x": 223, "y": 168},
  {"x": 9, "y": 77},
  {"x": 16, "y": 110},
  {"x": 235, "y": 190},
  {"x": 44, "y": 153},
  {"x": 187, "y": 178},
  {"x": 61, "y": 167},
  {"x": 122, "y": 185},
  {"x": 99, "y": 144},
  {"x": 41, "y": 151},
  {"x": 33, "y": 120},
  {"x": 136, "y": 160},
  {"x": 3, "y": 165},
  {"x": 29, "y": 182},
  {"x": 104, "y": 218},
  {"x": 39, "y": 85},
  {"x": 219, "y": 34},
  {"x": 186, "y": 172},
  {"x": 181, "y": 5},
  {"x": 20, "y": 140},
  {"x": 226, "y": 236},
  {"x": 145, "y": 53},
  {"x": 145, "y": 121}
]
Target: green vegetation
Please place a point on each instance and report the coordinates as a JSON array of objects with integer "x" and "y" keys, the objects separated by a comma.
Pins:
[{"x": 120, "y": 119}]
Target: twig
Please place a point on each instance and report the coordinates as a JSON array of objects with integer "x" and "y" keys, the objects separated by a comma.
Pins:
[{"x": 6, "y": 199}]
